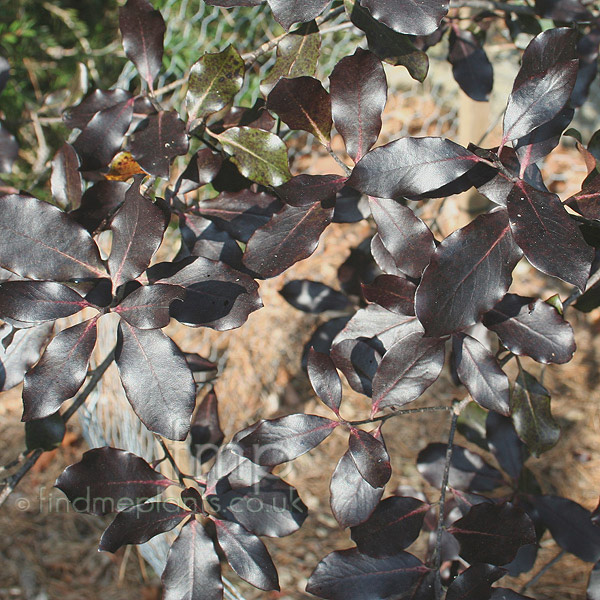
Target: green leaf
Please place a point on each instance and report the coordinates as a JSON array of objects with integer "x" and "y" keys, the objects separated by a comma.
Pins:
[
  {"x": 259, "y": 155},
  {"x": 556, "y": 302},
  {"x": 46, "y": 433},
  {"x": 297, "y": 55},
  {"x": 388, "y": 45},
  {"x": 213, "y": 82},
  {"x": 530, "y": 407}
]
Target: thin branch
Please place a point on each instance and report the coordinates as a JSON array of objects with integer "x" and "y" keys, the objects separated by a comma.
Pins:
[
  {"x": 406, "y": 411},
  {"x": 541, "y": 572},
  {"x": 338, "y": 160},
  {"x": 180, "y": 475}
]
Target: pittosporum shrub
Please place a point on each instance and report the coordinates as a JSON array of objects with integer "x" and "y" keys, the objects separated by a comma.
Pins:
[{"x": 417, "y": 299}]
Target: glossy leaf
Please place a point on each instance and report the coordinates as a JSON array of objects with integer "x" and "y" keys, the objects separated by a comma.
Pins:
[
  {"x": 77, "y": 117},
  {"x": 143, "y": 29},
  {"x": 493, "y": 533},
  {"x": 404, "y": 235},
  {"x": 509, "y": 450},
  {"x": 407, "y": 369},
  {"x": 313, "y": 296},
  {"x": 291, "y": 235},
  {"x": 531, "y": 327},
  {"x": 159, "y": 142},
  {"x": 107, "y": 480},
  {"x": 563, "y": 10},
  {"x": 138, "y": 524},
  {"x": 471, "y": 67},
  {"x": 287, "y": 13},
  {"x": 259, "y": 155},
  {"x": 475, "y": 583},
  {"x": 102, "y": 137},
  {"x": 45, "y": 434},
  {"x": 468, "y": 471},
  {"x": 570, "y": 525},
  {"x": 307, "y": 189},
  {"x": 358, "y": 97},
  {"x": 587, "y": 201},
  {"x": 302, "y": 103},
  {"x": 537, "y": 216},
  {"x": 98, "y": 204},
  {"x": 481, "y": 374},
  {"x": 138, "y": 229},
  {"x": 469, "y": 272},
  {"x": 157, "y": 380},
  {"x": 38, "y": 301},
  {"x": 66, "y": 181},
  {"x": 202, "y": 169},
  {"x": 350, "y": 575},
  {"x": 60, "y": 371},
  {"x": 393, "y": 293},
  {"x": 530, "y": 408},
  {"x": 370, "y": 456},
  {"x": 408, "y": 16},
  {"x": 358, "y": 361},
  {"x": 325, "y": 379},
  {"x": 213, "y": 82},
  {"x": 322, "y": 337},
  {"x": 148, "y": 306},
  {"x": 39, "y": 241},
  {"x": 193, "y": 571},
  {"x": 410, "y": 166},
  {"x": 280, "y": 440},
  {"x": 394, "y": 525},
  {"x": 216, "y": 296},
  {"x": 247, "y": 555},
  {"x": 205, "y": 433}
]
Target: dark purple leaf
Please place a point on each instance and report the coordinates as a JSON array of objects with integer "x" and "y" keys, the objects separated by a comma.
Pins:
[
  {"x": 350, "y": 575},
  {"x": 481, "y": 374},
  {"x": 192, "y": 499},
  {"x": 322, "y": 337},
  {"x": 469, "y": 272},
  {"x": 475, "y": 583},
  {"x": 23, "y": 350},
  {"x": 587, "y": 51},
  {"x": 531, "y": 327},
  {"x": 593, "y": 588},
  {"x": 66, "y": 181},
  {"x": 408, "y": 16},
  {"x": 353, "y": 500},
  {"x": 143, "y": 30},
  {"x": 382, "y": 257},
  {"x": 238, "y": 116},
  {"x": 101, "y": 139},
  {"x": 45, "y": 434},
  {"x": 162, "y": 139},
  {"x": 60, "y": 372},
  {"x": 393, "y": 293},
  {"x": 530, "y": 408},
  {"x": 395, "y": 525},
  {"x": 404, "y": 235},
  {"x": 157, "y": 380},
  {"x": 350, "y": 206},
  {"x": 563, "y": 10},
  {"x": 537, "y": 216},
  {"x": 407, "y": 369},
  {"x": 247, "y": 555},
  {"x": 39, "y": 241},
  {"x": 280, "y": 440},
  {"x": 570, "y": 525},
  {"x": 358, "y": 97},
  {"x": 202, "y": 169},
  {"x": 389, "y": 45},
  {"x": 287, "y": 13},
  {"x": 148, "y": 306},
  {"x": 370, "y": 457},
  {"x": 358, "y": 361},
  {"x": 468, "y": 471},
  {"x": 313, "y": 296},
  {"x": 507, "y": 594},
  {"x": 213, "y": 82},
  {"x": 240, "y": 213},
  {"x": 325, "y": 379},
  {"x": 37, "y": 301},
  {"x": 471, "y": 67},
  {"x": 206, "y": 435},
  {"x": 138, "y": 524},
  {"x": 304, "y": 189},
  {"x": 587, "y": 201},
  {"x": 509, "y": 450},
  {"x": 107, "y": 480},
  {"x": 302, "y": 103},
  {"x": 9, "y": 149},
  {"x": 138, "y": 229},
  {"x": 410, "y": 166},
  {"x": 193, "y": 571},
  {"x": 98, "y": 203},
  {"x": 290, "y": 236},
  {"x": 217, "y": 296},
  {"x": 492, "y": 533},
  {"x": 544, "y": 83},
  {"x": 270, "y": 507},
  {"x": 77, "y": 117}
]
